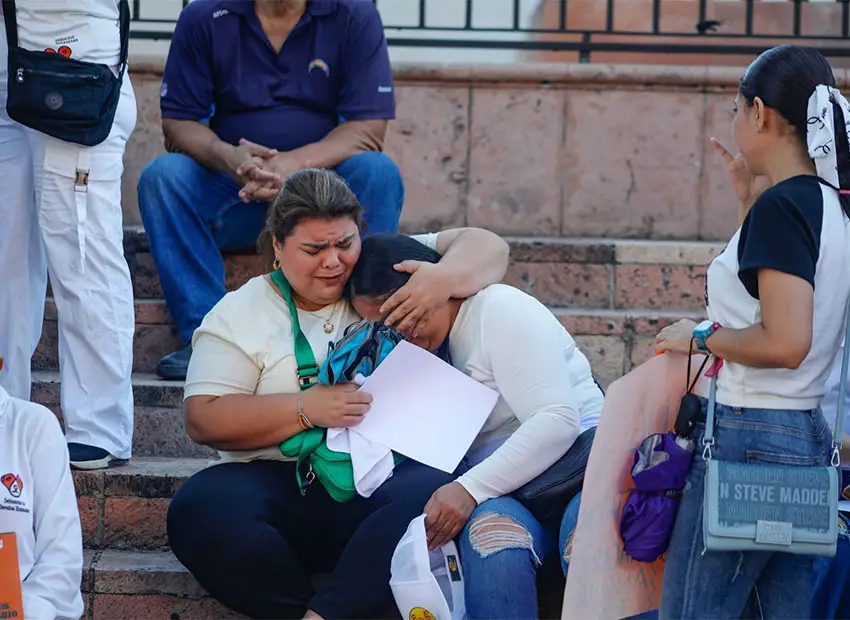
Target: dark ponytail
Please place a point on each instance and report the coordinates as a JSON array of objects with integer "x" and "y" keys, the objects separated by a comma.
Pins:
[{"x": 784, "y": 78}]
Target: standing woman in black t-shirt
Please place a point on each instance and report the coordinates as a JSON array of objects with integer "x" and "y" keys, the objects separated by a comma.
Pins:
[{"x": 776, "y": 302}]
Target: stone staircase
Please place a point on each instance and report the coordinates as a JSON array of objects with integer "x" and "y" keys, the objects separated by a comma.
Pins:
[
  {"x": 129, "y": 573},
  {"x": 612, "y": 294}
]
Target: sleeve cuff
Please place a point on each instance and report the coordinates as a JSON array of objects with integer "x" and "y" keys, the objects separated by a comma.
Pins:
[
  {"x": 474, "y": 488},
  {"x": 184, "y": 115},
  {"x": 429, "y": 240},
  {"x": 373, "y": 115}
]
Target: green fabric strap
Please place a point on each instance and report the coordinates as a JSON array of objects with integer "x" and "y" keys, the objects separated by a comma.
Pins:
[
  {"x": 308, "y": 370},
  {"x": 333, "y": 469},
  {"x": 305, "y": 442}
]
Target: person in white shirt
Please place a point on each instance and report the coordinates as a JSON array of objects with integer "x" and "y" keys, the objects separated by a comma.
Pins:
[
  {"x": 537, "y": 438},
  {"x": 38, "y": 504},
  {"x": 243, "y": 527},
  {"x": 61, "y": 213},
  {"x": 776, "y": 300}
]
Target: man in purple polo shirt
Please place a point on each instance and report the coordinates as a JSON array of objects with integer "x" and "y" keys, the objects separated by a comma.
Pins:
[{"x": 252, "y": 92}]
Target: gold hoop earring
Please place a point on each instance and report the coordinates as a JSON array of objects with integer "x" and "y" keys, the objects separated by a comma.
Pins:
[{"x": 276, "y": 264}]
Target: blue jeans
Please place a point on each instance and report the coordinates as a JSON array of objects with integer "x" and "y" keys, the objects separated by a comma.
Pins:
[
  {"x": 830, "y": 597},
  {"x": 568, "y": 527},
  {"x": 700, "y": 584},
  {"x": 503, "y": 544},
  {"x": 831, "y": 586},
  {"x": 192, "y": 214}
]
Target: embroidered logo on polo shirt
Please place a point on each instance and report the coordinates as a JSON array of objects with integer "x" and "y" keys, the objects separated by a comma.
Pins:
[
  {"x": 220, "y": 13},
  {"x": 318, "y": 63},
  {"x": 385, "y": 89},
  {"x": 13, "y": 484}
]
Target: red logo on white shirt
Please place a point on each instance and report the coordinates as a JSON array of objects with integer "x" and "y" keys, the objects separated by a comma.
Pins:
[
  {"x": 62, "y": 51},
  {"x": 13, "y": 484}
]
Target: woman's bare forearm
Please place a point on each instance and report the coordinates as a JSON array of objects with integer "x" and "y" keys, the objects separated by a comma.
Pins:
[
  {"x": 242, "y": 421},
  {"x": 473, "y": 258}
]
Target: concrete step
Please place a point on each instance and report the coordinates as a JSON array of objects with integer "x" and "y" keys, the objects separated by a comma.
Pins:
[
  {"x": 615, "y": 340},
  {"x": 560, "y": 271},
  {"x": 159, "y": 424},
  {"x": 588, "y": 276},
  {"x": 129, "y": 585},
  {"x": 124, "y": 508}
]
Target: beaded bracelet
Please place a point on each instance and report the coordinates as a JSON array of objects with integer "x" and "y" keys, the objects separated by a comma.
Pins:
[{"x": 303, "y": 420}]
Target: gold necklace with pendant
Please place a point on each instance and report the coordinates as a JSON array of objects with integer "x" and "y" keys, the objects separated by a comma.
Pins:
[{"x": 329, "y": 324}]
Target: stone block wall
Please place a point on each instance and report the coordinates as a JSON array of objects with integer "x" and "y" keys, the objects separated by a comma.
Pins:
[{"x": 541, "y": 149}]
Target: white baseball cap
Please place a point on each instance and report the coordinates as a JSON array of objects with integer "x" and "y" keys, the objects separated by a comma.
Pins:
[{"x": 427, "y": 585}]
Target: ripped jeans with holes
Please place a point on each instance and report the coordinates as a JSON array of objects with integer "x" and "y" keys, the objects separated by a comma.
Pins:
[
  {"x": 501, "y": 549},
  {"x": 769, "y": 585},
  {"x": 504, "y": 544}
]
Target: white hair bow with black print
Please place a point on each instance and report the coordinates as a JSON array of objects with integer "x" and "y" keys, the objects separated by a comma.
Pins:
[{"x": 820, "y": 133}]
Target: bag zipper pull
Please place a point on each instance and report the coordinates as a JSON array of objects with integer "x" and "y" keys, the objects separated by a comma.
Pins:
[{"x": 19, "y": 74}]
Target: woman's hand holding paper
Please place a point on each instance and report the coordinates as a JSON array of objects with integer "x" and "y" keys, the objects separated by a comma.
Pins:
[{"x": 335, "y": 406}]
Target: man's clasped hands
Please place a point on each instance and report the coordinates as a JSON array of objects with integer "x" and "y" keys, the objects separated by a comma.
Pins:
[{"x": 260, "y": 171}]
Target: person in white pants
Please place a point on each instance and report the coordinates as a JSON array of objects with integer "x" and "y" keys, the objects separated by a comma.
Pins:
[{"x": 55, "y": 220}]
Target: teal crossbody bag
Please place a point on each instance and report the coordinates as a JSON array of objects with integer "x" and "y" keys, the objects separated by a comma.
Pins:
[{"x": 793, "y": 509}]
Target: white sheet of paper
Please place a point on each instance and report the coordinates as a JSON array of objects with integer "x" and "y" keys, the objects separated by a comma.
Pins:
[{"x": 425, "y": 408}]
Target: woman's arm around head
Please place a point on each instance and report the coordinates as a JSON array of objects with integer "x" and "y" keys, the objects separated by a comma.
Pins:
[{"x": 470, "y": 260}]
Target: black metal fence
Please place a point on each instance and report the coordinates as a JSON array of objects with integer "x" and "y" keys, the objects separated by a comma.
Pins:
[{"x": 708, "y": 35}]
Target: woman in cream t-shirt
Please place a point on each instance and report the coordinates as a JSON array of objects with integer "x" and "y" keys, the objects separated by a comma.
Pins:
[{"x": 243, "y": 527}]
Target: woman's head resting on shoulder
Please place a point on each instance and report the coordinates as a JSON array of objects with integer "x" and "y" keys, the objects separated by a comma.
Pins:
[
  {"x": 772, "y": 111},
  {"x": 374, "y": 279},
  {"x": 314, "y": 224}
]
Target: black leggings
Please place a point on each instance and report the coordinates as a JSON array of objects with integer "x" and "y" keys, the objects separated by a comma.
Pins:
[{"x": 253, "y": 542}]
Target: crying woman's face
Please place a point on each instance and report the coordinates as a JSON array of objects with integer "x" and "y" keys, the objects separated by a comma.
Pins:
[{"x": 430, "y": 331}]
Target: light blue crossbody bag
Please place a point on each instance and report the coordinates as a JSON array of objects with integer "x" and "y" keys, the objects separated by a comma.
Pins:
[{"x": 787, "y": 509}]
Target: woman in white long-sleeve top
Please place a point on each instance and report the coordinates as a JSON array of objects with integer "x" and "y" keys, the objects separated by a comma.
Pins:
[
  {"x": 529, "y": 458},
  {"x": 38, "y": 505}
]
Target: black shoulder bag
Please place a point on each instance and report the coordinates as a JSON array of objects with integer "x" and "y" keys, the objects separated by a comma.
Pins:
[{"x": 68, "y": 99}]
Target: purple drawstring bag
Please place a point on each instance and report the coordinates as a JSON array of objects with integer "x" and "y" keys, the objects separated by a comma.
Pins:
[{"x": 661, "y": 466}]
